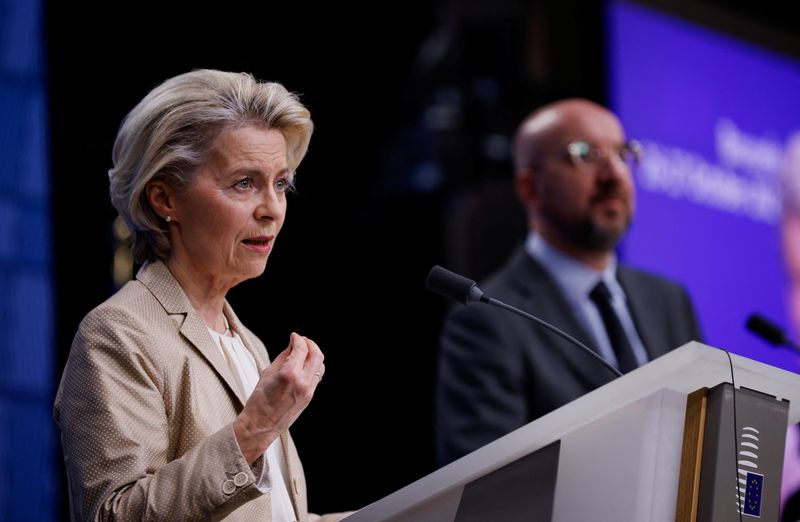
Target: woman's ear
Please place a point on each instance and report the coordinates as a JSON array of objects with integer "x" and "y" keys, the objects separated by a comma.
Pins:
[{"x": 161, "y": 197}]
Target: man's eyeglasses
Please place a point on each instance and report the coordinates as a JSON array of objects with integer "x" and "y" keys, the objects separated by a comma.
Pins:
[{"x": 584, "y": 153}]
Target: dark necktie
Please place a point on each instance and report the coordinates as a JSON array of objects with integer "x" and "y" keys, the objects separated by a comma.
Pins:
[{"x": 601, "y": 297}]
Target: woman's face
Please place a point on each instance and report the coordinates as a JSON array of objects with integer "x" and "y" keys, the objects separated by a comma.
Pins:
[{"x": 224, "y": 227}]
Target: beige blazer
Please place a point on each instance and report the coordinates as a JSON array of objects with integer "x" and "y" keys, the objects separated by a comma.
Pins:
[{"x": 146, "y": 408}]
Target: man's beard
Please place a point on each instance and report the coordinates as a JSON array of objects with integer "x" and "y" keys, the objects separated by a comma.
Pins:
[{"x": 587, "y": 234}]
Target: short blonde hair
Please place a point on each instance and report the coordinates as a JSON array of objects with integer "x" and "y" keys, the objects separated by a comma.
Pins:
[{"x": 172, "y": 130}]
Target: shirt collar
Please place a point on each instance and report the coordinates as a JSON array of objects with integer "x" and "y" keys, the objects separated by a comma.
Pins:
[{"x": 574, "y": 278}]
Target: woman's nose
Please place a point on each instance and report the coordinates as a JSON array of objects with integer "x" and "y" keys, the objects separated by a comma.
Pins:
[{"x": 272, "y": 205}]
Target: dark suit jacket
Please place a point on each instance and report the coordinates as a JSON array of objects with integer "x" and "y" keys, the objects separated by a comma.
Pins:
[{"x": 498, "y": 371}]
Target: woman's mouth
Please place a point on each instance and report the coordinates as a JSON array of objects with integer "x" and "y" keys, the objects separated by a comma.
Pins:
[{"x": 260, "y": 244}]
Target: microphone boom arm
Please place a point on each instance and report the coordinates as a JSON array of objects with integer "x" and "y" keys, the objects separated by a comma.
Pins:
[
  {"x": 504, "y": 306},
  {"x": 465, "y": 291}
]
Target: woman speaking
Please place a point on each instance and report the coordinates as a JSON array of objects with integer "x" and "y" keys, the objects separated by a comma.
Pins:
[{"x": 169, "y": 407}]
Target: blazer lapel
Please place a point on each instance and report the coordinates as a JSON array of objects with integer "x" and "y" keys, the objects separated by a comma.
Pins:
[
  {"x": 159, "y": 280},
  {"x": 543, "y": 299},
  {"x": 294, "y": 482},
  {"x": 297, "y": 490},
  {"x": 260, "y": 356},
  {"x": 645, "y": 313}
]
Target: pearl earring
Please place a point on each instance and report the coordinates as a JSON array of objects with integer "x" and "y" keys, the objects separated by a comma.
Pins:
[{"x": 168, "y": 219}]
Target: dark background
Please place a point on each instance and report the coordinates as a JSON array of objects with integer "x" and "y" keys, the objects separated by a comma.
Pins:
[{"x": 414, "y": 104}]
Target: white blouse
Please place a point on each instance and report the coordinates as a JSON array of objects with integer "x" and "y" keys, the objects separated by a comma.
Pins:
[{"x": 243, "y": 366}]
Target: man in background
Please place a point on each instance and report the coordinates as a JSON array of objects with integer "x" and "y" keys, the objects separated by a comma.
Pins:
[{"x": 497, "y": 371}]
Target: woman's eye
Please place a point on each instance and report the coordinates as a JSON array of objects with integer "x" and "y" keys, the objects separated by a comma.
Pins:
[{"x": 284, "y": 185}]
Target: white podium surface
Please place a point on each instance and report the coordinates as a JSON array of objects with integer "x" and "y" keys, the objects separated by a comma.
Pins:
[{"x": 646, "y": 405}]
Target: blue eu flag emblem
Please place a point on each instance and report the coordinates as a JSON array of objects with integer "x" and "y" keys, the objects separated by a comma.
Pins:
[{"x": 752, "y": 495}]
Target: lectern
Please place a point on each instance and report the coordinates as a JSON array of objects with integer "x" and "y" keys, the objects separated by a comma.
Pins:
[{"x": 657, "y": 444}]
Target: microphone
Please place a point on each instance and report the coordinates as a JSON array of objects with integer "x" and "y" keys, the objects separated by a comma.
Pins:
[
  {"x": 454, "y": 286},
  {"x": 769, "y": 331},
  {"x": 466, "y": 291}
]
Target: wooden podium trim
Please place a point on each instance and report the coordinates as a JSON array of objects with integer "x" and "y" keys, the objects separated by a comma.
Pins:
[{"x": 691, "y": 456}]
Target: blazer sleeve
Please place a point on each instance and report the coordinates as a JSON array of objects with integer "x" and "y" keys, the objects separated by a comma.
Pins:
[{"x": 117, "y": 434}]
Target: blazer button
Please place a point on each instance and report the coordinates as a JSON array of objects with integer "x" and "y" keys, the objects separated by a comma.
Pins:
[
  {"x": 228, "y": 487},
  {"x": 241, "y": 479}
]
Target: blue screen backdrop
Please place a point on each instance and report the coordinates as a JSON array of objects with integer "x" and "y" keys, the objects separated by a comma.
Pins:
[
  {"x": 28, "y": 463},
  {"x": 714, "y": 114}
]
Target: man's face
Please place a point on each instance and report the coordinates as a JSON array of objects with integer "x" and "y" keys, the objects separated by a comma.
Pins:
[{"x": 585, "y": 194}]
